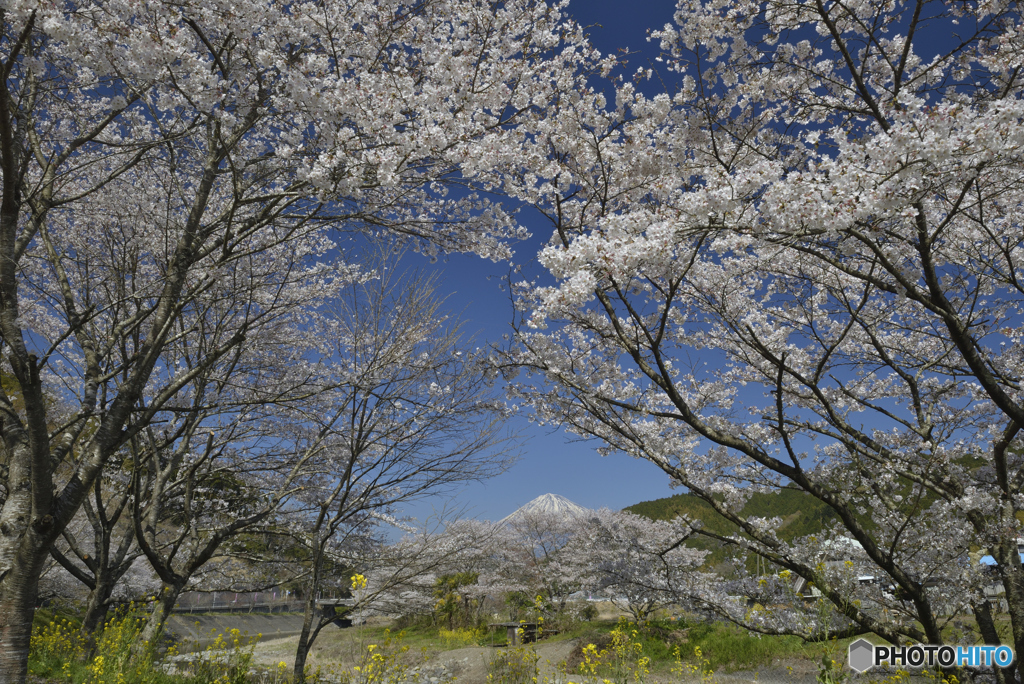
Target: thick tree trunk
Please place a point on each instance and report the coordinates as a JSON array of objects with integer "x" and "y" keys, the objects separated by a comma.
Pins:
[
  {"x": 310, "y": 620},
  {"x": 1013, "y": 583},
  {"x": 1010, "y": 572},
  {"x": 19, "y": 589},
  {"x": 987, "y": 627},
  {"x": 312, "y": 623}
]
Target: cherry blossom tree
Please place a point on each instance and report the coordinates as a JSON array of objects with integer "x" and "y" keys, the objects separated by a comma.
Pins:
[
  {"x": 802, "y": 268},
  {"x": 403, "y": 409},
  {"x": 149, "y": 150},
  {"x": 644, "y": 563},
  {"x": 194, "y": 493},
  {"x": 104, "y": 549},
  {"x": 399, "y": 579},
  {"x": 533, "y": 557}
]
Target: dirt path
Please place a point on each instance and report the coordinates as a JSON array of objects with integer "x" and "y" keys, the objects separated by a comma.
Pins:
[{"x": 467, "y": 665}]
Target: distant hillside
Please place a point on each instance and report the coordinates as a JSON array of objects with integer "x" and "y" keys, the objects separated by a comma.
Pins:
[{"x": 801, "y": 513}]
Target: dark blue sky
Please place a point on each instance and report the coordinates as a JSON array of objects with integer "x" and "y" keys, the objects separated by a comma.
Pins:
[{"x": 551, "y": 461}]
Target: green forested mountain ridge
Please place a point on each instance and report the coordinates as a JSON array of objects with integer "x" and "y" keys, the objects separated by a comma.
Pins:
[{"x": 801, "y": 513}]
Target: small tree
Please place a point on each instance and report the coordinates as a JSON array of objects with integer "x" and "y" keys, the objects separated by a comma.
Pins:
[
  {"x": 532, "y": 557},
  {"x": 452, "y": 601},
  {"x": 107, "y": 550},
  {"x": 405, "y": 411},
  {"x": 643, "y": 562}
]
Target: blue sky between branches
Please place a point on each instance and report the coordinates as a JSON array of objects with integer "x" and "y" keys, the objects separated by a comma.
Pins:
[{"x": 551, "y": 460}]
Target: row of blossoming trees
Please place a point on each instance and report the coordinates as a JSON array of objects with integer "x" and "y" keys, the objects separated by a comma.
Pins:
[
  {"x": 539, "y": 566},
  {"x": 801, "y": 267}
]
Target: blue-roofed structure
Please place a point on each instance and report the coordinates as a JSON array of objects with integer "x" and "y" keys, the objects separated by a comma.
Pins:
[
  {"x": 995, "y": 591},
  {"x": 989, "y": 560}
]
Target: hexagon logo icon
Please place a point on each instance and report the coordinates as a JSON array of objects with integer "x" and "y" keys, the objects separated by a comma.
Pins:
[{"x": 862, "y": 655}]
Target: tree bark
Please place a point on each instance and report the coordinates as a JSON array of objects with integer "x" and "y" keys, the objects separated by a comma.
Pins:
[
  {"x": 311, "y": 621},
  {"x": 305, "y": 642},
  {"x": 19, "y": 589},
  {"x": 98, "y": 605},
  {"x": 987, "y": 627},
  {"x": 165, "y": 601},
  {"x": 1010, "y": 570}
]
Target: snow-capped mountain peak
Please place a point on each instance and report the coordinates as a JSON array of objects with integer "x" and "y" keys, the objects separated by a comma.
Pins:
[{"x": 548, "y": 505}]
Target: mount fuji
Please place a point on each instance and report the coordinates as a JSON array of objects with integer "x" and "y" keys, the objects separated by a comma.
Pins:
[{"x": 548, "y": 505}]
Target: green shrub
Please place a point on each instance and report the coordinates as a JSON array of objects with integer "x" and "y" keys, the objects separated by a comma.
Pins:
[
  {"x": 59, "y": 652},
  {"x": 622, "y": 661},
  {"x": 459, "y": 638},
  {"x": 587, "y": 612},
  {"x": 55, "y": 649},
  {"x": 513, "y": 666}
]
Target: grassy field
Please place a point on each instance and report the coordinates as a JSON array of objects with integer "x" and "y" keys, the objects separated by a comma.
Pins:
[{"x": 723, "y": 646}]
